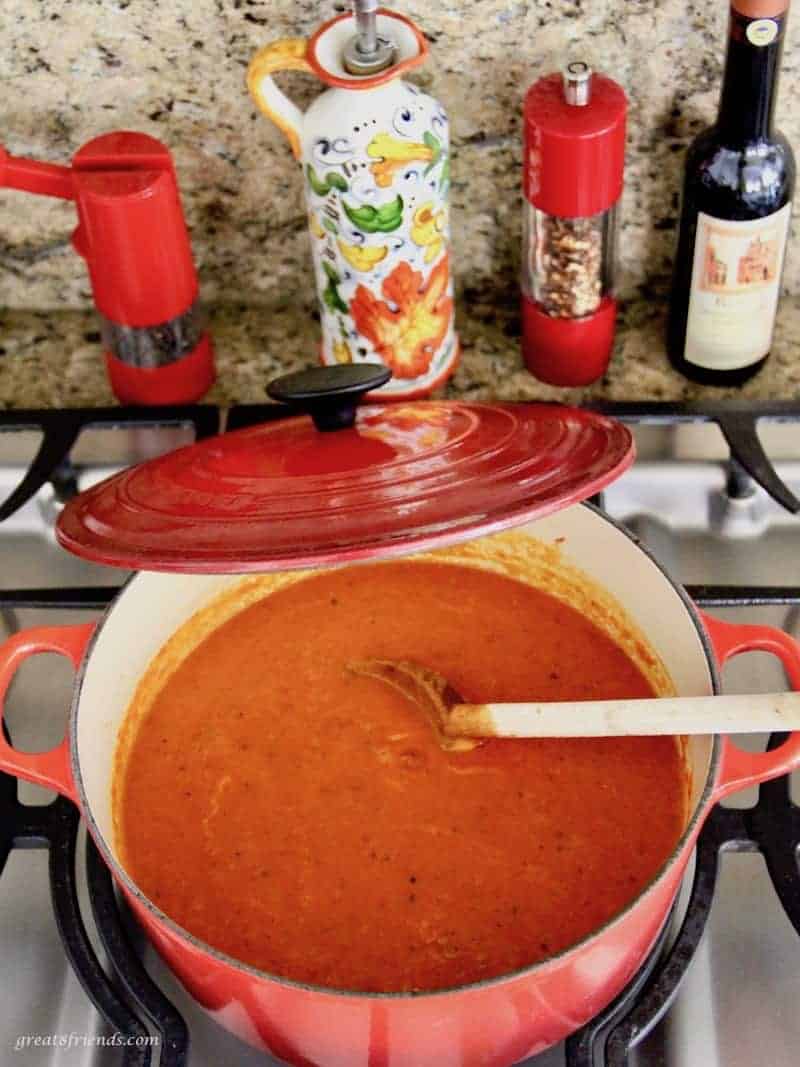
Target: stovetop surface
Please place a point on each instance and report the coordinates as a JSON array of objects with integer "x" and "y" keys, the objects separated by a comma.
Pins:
[{"x": 738, "y": 1004}]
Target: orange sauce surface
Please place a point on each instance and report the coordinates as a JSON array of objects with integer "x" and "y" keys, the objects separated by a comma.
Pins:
[{"x": 304, "y": 820}]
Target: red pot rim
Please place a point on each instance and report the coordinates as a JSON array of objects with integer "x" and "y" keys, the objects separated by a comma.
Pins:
[{"x": 700, "y": 813}]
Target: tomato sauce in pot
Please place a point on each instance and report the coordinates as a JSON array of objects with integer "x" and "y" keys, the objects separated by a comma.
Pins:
[{"x": 304, "y": 820}]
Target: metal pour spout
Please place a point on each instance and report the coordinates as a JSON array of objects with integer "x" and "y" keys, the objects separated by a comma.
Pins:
[
  {"x": 367, "y": 52},
  {"x": 367, "y": 40}
]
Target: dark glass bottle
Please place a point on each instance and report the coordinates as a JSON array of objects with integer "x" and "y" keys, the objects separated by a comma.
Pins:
[{"x": 726, "y": 279}]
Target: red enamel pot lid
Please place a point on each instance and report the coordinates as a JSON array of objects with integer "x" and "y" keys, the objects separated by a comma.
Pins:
[{"x": 401, "y": 479}]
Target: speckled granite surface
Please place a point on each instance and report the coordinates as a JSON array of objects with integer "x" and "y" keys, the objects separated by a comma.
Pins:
[
  {"x": 71, "y": 69},
  {"x": 53, "y": 359}
]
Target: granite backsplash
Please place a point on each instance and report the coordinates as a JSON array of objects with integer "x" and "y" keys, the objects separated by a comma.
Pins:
[{"x": 71, "y": 69}]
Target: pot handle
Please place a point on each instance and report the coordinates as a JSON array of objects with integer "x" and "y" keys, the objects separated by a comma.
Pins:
[
  {"x": 739, "y": 769},
  {"x": 51, "y": 769},
  {"x": 286, "y": 54}
]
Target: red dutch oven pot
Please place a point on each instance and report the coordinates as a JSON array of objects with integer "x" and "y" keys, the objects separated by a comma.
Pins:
[{"x": 493, "y": 1023}]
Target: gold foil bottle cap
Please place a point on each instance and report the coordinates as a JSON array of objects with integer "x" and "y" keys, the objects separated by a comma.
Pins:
[{"x": 760, "y": 9}]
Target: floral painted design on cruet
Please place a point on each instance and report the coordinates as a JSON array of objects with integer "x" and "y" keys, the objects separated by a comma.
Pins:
[{"x": 374, "y": 153}]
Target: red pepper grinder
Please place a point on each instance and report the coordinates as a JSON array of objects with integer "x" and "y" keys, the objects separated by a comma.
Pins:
[
  {"x": 572, "y": 174},
  {"x": 133, "y": 237}
]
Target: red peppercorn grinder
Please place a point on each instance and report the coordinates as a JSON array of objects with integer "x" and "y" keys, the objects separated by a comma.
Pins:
[
  {"x": 574, "y": 154},
  {"x": 132, "y": 234}
]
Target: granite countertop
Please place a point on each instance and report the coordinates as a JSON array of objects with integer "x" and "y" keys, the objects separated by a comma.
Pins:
[
  {"x": 177, "y": 72},
  {"x": 52, "y": 359}
]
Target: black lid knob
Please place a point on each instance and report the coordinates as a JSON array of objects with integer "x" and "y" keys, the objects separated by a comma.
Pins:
[{"x": 330, "y": 395}]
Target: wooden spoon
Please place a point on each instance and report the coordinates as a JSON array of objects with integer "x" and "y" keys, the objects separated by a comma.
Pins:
[{"x": 460, "y": 727}]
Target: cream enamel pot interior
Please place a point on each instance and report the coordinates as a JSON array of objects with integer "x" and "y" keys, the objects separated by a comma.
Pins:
[{"x": 495, "y": 1023}]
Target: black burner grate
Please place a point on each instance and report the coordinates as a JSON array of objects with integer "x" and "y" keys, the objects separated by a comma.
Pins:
[
  {"x": 55, "y": 827},
  {"x": 60, "y": 430},
  {"x": 123, "y": 992}
]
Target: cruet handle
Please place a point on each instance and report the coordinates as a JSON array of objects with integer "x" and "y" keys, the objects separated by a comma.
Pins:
[{"x": 286, "y": 54}]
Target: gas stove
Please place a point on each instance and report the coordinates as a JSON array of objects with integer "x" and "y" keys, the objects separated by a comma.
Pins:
[{"x": 81, "y": 987}]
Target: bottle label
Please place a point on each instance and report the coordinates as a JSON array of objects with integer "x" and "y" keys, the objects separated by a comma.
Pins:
[{"x": 736, "y": 278}]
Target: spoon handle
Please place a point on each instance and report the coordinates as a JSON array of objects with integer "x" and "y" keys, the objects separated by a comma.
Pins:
[{"x": 756, "y": 713}]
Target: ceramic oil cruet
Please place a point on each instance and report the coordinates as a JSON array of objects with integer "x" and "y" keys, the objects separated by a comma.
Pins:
[{"x": 374, "y": 153}]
